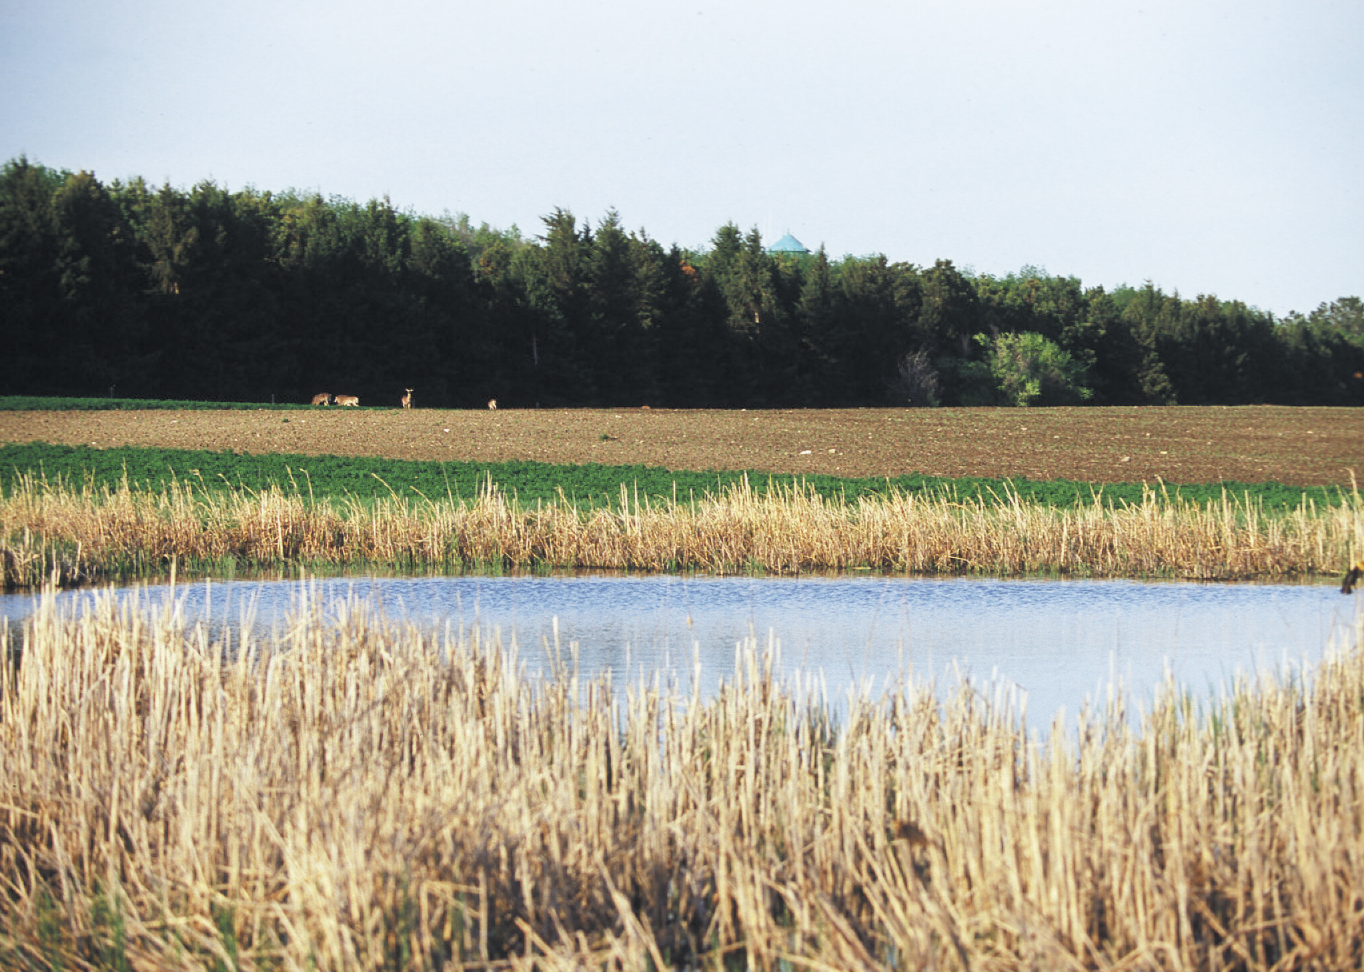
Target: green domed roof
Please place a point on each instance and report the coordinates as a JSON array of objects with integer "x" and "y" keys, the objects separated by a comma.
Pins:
[{"x": 788, "y": 244}]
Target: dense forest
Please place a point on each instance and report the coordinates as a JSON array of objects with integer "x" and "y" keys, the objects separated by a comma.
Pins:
[{"x": 137, "y": 291}]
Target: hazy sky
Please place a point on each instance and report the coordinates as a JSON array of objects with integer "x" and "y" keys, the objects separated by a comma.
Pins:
[{"x": 1210, "y": 147}]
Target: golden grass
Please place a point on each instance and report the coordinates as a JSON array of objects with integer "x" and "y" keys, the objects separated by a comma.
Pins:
[
  {"x": 52, "y": 531},
  {"x": 358, "y": 794}
]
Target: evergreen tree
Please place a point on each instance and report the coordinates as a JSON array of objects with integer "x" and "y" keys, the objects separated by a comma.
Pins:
[
  {"x": 248, "y": 295},
  {"x": 449, "y": 348},
  {"x": 101, "y": 334},
  {"x": 649, "y": 308},
  {"x": 823, "y": 377},
  {"x": 611, "y": 334},
  {"x": 554, "y": 280},
  {"x": 949, "y": 313},
  {"x": 696, "y": 366},
  {"x": 881, "y": 306}
]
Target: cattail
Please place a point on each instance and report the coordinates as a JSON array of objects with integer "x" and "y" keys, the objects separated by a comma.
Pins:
[{"x": 345, "y": 789}]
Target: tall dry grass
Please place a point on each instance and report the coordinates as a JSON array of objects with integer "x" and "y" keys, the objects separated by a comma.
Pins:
[
  {"x": 52, "y": 531},
  {"x": 357, "y": 794}
]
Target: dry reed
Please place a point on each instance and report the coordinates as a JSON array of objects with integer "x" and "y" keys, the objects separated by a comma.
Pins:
[
  {"x": 356, "y": 794},
  {"x": 52, "y": 531}
]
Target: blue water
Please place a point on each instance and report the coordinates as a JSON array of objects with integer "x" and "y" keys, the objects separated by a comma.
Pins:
[{"x": 1057, "y": 643}]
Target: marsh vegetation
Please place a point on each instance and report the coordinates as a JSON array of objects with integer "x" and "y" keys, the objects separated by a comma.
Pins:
[
  {"x": 349, "y": 792},
  {"x": 354, "y": 793},
  {"x": 69, "y": 534}
]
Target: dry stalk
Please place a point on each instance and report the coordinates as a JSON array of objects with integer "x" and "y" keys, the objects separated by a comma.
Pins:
[
  {"x": 353, "y": 794},
  {"x": 52, "y": 531}
]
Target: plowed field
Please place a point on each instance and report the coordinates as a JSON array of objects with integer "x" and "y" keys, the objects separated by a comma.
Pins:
[{"x": 1298, "y": 446}]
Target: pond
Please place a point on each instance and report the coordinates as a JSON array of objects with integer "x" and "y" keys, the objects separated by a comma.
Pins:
[{"x": 1057, "y": 642}]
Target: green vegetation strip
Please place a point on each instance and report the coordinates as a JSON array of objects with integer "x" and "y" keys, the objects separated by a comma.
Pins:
[
  {"x": 337, "y": 477},
  {"x": 31, "y": 403}
]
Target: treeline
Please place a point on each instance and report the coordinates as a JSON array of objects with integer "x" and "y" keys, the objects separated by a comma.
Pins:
[{"x": 260, "y": 296}]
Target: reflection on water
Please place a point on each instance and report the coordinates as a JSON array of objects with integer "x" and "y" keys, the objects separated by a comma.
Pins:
[{"x": 1058, "y": 641}]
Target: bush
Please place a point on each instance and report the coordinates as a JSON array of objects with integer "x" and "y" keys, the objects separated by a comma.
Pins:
[
  {"x": 916, "y": 381},
  {"x": 1029, "y": 369}
]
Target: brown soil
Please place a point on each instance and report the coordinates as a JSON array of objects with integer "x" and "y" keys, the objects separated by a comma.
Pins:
[{"x": 1298, "y": 446}]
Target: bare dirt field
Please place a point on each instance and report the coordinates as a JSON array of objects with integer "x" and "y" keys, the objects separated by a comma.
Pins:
[{"x": 1298, "y": 446}]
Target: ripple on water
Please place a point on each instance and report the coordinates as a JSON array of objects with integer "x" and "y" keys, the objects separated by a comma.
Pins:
[{"x": 1059, "y": 641}]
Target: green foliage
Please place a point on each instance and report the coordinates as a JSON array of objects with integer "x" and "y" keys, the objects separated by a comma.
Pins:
[
  {"x": 108, "y": 932},
  {"x": 51, "y": 929},
  {"x": 1029, "y": 369},
  {"x": 531, "y": 483},
  {"x": 164, "y": 293},
  {"x": 1344, "y": 317},
  {"x": 966, "y": 382},
  {"x": 225, "y": 920},
  {"x": 949, "y": 312}
]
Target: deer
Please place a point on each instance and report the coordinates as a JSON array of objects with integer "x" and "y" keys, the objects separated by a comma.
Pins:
[
  {"x": 346, "y": 400},
  {"x": 407, "y": 399},
  {"x": 492, "y": 404},
  {"x": 322, "y": 398}
]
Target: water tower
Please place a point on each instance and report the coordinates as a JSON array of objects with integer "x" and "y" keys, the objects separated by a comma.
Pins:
[{"x": 788, "y": 245}]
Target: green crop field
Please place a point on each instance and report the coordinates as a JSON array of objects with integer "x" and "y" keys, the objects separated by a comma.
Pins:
[{"x": 529, "y": 483}]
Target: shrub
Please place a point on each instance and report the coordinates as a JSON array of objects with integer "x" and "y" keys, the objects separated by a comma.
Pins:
[
  {"x": 1029, "y": 369},
  {"x": 916, "y": 381}
]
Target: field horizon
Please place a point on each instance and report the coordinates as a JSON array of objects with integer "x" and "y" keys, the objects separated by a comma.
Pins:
[{"x": 1296, "y": 446}]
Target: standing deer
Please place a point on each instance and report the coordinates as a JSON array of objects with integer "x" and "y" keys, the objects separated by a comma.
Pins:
[
  {"x": 322, "y": 398},
  {"x": 492, "y": 404},
  {"x": 407, "y": 399},
  {"x": 346, "y": 400}
]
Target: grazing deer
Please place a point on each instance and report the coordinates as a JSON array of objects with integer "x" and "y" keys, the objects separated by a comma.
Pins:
[
  {"x": 492, "y": 404},
  {"x": 346, "y": 400},
  {"x": 322, "y": 398},
  {"x": 407, "y": 399}
]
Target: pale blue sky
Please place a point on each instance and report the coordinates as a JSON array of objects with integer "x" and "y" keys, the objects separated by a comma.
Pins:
[{"x": 1210, "y": 147}]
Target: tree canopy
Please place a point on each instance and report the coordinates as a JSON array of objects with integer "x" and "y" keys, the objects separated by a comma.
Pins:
[{"x": 202, "y": 293}]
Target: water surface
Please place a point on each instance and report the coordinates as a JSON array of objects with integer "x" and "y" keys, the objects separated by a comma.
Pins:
[{"x": 1057, "y": 642}]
